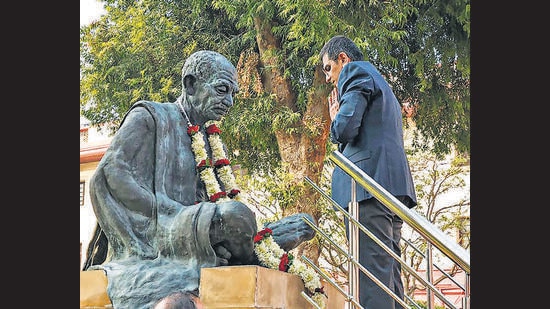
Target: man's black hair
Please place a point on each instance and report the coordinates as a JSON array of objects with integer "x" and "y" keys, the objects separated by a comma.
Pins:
[{"x": 338, "y": 44}]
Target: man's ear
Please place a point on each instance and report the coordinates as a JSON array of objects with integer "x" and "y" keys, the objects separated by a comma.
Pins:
[
  {"x": 189, "y": 83},
  {"x": 344, "y": 57}
]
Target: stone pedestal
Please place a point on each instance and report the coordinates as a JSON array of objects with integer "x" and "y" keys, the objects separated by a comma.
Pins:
[
  {"x": 93, "y": 290},
  {"x": 244, "y": 287},
  {"x": 229, "y": 287},
  {"x": 255, "y": 287}
]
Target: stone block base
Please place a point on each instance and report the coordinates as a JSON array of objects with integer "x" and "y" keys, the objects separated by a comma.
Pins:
[
  {"x": 93, "y": 290},
  {"x": 229, "y": 287},
  {"x": 246, "y": 287}
]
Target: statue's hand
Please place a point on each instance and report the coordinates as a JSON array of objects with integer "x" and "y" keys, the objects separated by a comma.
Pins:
[
  {"x": 222, "y": 254},
  {"x": 291, "y": 231},
  {"x": 232, "y": 232}
]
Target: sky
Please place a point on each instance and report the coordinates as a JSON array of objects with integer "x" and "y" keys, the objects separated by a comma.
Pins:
[{"x": 90, "y": 10}]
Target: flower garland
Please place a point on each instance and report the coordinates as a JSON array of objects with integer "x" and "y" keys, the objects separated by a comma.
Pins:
[
  {"x": 269, "y": 253},
  {"x": 221, "y": 166},
  {"x": 204, "y": 164},
  {"x": 272, "y": 256}
]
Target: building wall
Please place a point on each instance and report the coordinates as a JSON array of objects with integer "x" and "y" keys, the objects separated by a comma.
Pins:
[
  {"x": 455, "y": 294},
  {"x": 93, "y": 143},
  {"x": 87, "y": 217}
]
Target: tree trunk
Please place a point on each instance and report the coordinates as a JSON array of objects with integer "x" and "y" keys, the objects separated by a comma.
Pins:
[{"x": 302, "y": 153}]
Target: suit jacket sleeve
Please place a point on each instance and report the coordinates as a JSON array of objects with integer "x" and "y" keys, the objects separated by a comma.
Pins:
[{"x": 355, "y": 88}]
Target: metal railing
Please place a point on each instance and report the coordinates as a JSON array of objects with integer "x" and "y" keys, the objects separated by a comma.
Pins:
[{"x": 431, "y": 233}]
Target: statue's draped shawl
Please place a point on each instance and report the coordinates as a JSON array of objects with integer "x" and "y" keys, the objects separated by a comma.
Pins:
[
  {"x": 134, "y": 283},
  {"x": 180, "y": 236}
]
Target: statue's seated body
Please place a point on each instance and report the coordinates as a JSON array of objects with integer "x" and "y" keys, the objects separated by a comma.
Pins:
[{"x": 159, "y": 222}]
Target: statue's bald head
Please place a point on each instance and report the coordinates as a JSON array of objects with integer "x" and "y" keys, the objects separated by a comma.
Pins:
[{"x": 204, "y": 65}]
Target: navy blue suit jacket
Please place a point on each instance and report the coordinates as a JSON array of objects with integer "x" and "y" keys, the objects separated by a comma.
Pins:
[{"x": 369, "y": 131}]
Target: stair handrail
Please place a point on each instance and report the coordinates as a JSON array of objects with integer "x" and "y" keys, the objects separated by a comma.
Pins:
[
  {"x": 354, "y": 259},
  {"x": 420, "y": 224}
]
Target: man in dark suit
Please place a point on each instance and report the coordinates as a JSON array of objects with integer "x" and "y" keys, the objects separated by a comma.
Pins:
[{"x": 367, "y": 126}]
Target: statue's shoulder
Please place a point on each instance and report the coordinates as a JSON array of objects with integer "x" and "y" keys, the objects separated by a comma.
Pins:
[
  {"x": 154, "y": 108},
  {"x": 147, "y": 104}
]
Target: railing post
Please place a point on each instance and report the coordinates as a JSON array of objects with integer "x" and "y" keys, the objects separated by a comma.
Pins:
[
  {"x": 353, "y": 275},
  {"x": 429, "y": 276},
  {"x": 419, "y": 223},
  {"x": 466, "y": 299}
]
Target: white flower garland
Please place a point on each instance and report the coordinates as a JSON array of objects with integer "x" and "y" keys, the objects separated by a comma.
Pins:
[
  {"x": 218, "y": 153},
  {"x": 220, "y": 165}
]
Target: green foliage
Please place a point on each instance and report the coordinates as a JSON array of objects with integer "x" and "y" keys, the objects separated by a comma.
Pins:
[
  {"x": 274, "y": 192},
  {"x": 136, "y": 52},
  {"x": 137, "y": 49},
  {"x": 246, "y": 131}
]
